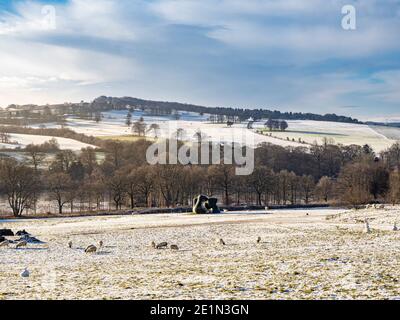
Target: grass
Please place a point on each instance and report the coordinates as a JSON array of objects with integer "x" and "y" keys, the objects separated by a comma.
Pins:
[
  {"x": 126, "y": 138},
  {"x": 339, "y": 133}
]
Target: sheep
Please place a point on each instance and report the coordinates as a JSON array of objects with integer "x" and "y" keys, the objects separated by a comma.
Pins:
[
  {"x": 4, "y": 243},
  {"x": 162, "y": 245},
  {"x": 25, "y": 273},
  {"x": 174, "y": 247},
  {"x": 367, "y": 227},
  {"x": 91, "y": 249},
  {"x": 221, "y": 241},
  {"x": 21, "y": 244},
  {"x": 258, "y": 239},
  {"x": 70, "y": 244}
]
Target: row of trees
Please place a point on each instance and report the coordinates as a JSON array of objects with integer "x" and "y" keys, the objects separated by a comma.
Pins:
[
  {"x": 327, "y": 173},
  {"x": 219, "y": 113},
  {"x": 272, "y": 124},
  {"x": 31, "y": 114}
]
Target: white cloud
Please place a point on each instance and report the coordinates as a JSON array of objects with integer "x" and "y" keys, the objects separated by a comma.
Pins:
[
  {"x": 130, "y": 47},
  {"x": 310, "y": 27},
  {"x": 29, "y": 60}
]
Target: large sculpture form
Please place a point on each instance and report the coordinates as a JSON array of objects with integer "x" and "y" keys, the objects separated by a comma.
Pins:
[{"x": 203, "y": 205}]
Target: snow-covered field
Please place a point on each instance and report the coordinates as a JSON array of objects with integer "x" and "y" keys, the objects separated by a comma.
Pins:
[
  {"x": 389, "y": 132},
  {"x": 324, "y": 254},
  {"x": 113, "y": 124},
  {"x": 343, "y": 133},
  {"x": 22, "y": 140}
]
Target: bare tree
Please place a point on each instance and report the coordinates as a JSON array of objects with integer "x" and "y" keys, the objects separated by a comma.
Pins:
[
  {"x": 198, "y": 136},
  {"x": 128, "y": 121},
  {"x": 63, "y": 161},
  {"x": 260, "y": 182},
  {"x": 61, "y": 189},
  {"x": 325, "y": 188},
  {"x": 222, "y": 176},
  {"x": 354, "y": 184},
  {"x": 36, "y": 156},
  {"x": 117, "y": 187},
  {"x": 139, "y": 128},
  {"x": 144, "y": 178},
  {"x": 155, "y": 128},
  {"x": 179, "y": 134},
  {"x": 168, "y": 181},
  {"x": 307, "y": 185},
  {"x": 19, "y": 183},
  {"x": 394, "y": 193},
  {"x": 5, "y": 137},
  {"x": 88, "y": 159}
]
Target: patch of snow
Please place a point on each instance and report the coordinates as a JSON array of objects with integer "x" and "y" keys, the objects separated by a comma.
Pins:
[{"x": 22, "y": 140}]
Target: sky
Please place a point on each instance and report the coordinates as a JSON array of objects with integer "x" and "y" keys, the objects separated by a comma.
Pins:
[{"x": 288, "y": 55}]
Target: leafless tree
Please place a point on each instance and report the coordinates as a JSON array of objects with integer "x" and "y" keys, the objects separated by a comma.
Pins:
[
  {"x": 168, "y": 179},
  {"x": 261, "y": 181},
  {"x": 36, "y": 156},
  {"x": 155, "y": 128},
  {"x": 325, "y": 188},
  {"x": 19, "y": 183},
  {"x": 222, "y": 176},
  {"x": 144, "y": 178},
  {"x": 139, "y": 128},
  {"x": 61, "y": 189},
  {"x": 307, "y": 185},
  {"x": 117, "y": 186}
]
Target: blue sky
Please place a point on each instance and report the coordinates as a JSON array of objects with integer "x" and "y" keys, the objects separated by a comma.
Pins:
[{"x": 289, "y": 55}]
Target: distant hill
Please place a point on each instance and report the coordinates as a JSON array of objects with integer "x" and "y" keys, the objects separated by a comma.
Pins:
[
  {"x": 161, "y": 108},
  {"x": 104, "y": 103},
  {"x": 383, "y": 124}
]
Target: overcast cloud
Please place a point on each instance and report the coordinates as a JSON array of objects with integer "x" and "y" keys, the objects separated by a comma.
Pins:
[{"x": 287, "y": 55}]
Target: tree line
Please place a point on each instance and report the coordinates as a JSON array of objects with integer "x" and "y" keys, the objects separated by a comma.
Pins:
[
  {"x": 106, "y": 103},
  {"x": 326, "y": 173},
  {"x": 273, "y": 124}
]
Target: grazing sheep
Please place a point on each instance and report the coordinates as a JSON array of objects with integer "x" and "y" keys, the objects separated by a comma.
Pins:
[
  {"x": 162, "y": 245},
  {"x": 21, "y": 244},
  {"x": 367, "y": 227},
  {"x": 5, "y": 243},
  {"x": 153, "y": 245},
  {"x": 91, "y": 249},
  {"x": 221, "y": 241},
  {"x": 395, "y": 227},
  {"x": 101, "y": 245},
  {"x": 25, "y": 273},
  {"x": 258, "y": 239},
  {"x": 174, "y": 247},
  {"x": 70, "y": 244}
]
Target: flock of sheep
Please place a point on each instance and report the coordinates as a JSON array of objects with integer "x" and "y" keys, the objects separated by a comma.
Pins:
[
  {"x": 20, "y": 244},
  {"x": 93, "y": 249}
]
